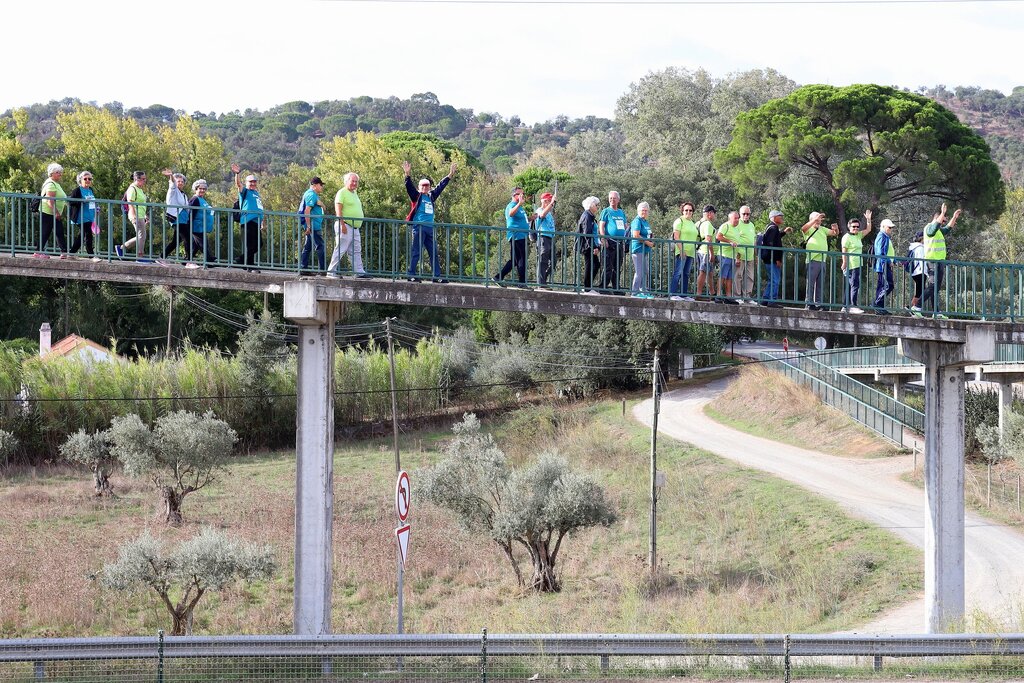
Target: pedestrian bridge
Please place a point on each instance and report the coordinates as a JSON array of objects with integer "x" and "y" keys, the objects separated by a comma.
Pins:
[{"x": 985, "y": 302}]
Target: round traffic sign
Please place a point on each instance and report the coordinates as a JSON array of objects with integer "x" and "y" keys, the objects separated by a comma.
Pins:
[
  {"x": 403, "y": 496},
  {"x": 820, "y": 343}
]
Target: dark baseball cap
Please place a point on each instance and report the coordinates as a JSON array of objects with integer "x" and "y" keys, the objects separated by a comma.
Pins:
[
  {"x": 315, "y": 180},
  {"x": 708, "y": 208}
]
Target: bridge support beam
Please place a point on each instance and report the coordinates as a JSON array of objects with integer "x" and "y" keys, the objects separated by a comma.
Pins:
[
  {"x": 897, "y": 388},
  {"x": 1006, "y": 383},
  {"x": 314, "y": 450},
  {"x": 944, "y": 469}
]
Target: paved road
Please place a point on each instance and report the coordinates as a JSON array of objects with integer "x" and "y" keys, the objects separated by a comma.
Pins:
[{"x": 869, "y": 489}]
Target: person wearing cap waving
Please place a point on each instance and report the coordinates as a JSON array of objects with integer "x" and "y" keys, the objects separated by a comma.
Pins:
[
  {"x": 772, "y": 255},
  {"x": 545, "y": 237},
  {"x": 852, "y": 246},
  {"x": 250, "y": 204},
  {"x": 816, "y": 244},
  {"x": 421, "y": 215},
  {"x": 935, "y": 255},
  {"x": 312, "y": 219},
  {"x": 884, "y": 254},
  {"x": 517, "y": 229},
  {"x": 706, "y": 253}
]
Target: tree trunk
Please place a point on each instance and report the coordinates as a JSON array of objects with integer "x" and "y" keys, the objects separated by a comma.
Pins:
[
  {"x": 507, "y": 549},
  {"x": 179, "y": 621},
  {"x": 101, "y": 481},
  {"x": 543, "y": 579},
  {"x": 172, "y": 506}
]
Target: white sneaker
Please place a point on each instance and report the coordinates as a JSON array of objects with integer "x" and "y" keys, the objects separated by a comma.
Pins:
[
  {"x": 689, "y": 299},
  {"x": 753, "y": 303},
  {"x": 192, "y": 266},
  {"x": 333, "y": 275},
  {"x": 590, "y": 292},
  {"x": 854, "y": 309},
  {"x": 676, "y": 298}
]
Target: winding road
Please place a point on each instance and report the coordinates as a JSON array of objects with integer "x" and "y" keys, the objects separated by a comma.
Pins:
[{"x": 869, "y": 489}]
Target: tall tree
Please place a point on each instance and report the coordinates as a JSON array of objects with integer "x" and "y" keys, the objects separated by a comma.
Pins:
[
  {"x": 19, "y": 171},
  {"x": 109, "y": 146},
  {"x": 869, "y": 144},
  {"x": 192, "y": 153}
]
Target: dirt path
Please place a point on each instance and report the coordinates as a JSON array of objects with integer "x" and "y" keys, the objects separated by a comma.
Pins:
[{"x": 869, "y": 489}]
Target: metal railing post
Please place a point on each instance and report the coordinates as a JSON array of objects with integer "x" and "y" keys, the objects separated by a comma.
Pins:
[
  {"x": 483, "y": 656},
  {"x": 160, "y": 656}
]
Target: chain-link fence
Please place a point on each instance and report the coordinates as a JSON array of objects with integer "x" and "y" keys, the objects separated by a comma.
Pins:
[{"x": 484, "y": 658}]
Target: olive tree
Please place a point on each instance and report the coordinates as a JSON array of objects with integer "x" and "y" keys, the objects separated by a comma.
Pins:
[
  {"x": 93, "y": 451},
  {"x": 182, "y": 453},
  {"x": 180, "y": 576},
  {"x": 534, "y": 507},
  {"x": 8, "y": 444}
]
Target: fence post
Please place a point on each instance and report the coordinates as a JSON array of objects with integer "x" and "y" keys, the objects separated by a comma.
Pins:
[
  {"x": 39, "y": 670},
  {"x": 160, "y": 656},
  {"x": 483, "y": 656},
  {"x": 623, "y": 407},
  {"x": 877, "y": 665},
  {"x": 786, "y": 671}
]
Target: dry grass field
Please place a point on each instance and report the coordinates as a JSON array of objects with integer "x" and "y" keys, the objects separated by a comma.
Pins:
[{"x": 740, "y": 551}]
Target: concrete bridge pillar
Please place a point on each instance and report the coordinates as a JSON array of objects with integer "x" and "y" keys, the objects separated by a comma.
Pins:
[
  {"x": 1006, "y": 383},
  {"x": 314, "y": 450},
  {"x": 944, "y": 469},
  {"x": 897, "y": 387}
]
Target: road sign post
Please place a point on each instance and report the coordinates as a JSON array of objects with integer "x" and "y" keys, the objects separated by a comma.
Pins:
[{"x": 403, "y": 502}]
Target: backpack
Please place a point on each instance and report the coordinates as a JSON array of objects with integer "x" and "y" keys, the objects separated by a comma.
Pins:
[
  {"x": 34, "y": 204},
  {"x": 302, "y": 213},
  {"x": 236, "y": 215},
  {"x": 908, "y": 265}
]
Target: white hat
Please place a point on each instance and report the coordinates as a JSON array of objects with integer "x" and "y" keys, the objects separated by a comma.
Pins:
[
  {"x": 814, "y": 216},
  {"x": 250, "y": 178},
  {"x": 886, "y": 223}
]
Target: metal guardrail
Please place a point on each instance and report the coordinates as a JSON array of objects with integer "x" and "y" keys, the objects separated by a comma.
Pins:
[
  {"x": 509, "y": 657},
  {"x": 472, "y": 253},
  {"x": 809, "y": 373},
  {"x": 889, "y": 357}
]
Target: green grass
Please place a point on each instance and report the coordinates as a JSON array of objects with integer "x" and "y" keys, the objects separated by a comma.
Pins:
[{"x": 740, "y": 551}]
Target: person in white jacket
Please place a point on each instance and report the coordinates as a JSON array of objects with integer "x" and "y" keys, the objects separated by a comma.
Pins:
[
  {"x": 177, "y": 213},
  {"x": 917, "y": 271},
  {"x": 349, "y": 210}
]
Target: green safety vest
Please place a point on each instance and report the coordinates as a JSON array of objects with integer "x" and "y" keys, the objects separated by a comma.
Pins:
[{"x": 935, "y": 246}]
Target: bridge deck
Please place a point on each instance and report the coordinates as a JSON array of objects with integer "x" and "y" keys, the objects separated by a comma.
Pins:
[{"x": 495, "y": 298}]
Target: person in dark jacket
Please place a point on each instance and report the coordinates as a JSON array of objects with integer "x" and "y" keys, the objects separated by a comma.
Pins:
[
  {"x": 771, "y": 256},
  {"x": 421, "y": 215},
  {"x": 588, "y": 247}
]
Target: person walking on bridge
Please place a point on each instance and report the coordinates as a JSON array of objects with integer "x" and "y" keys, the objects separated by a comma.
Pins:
[
  {"x": 884, "y": 254},
  {"x": 706, "y": 253},
  {"x": 312, "y": 220},
  {"x": 202, "y": 221},
  {"x": 640, "y": 250},
  {"x": 177, "y": 213},
  {"x": 83, "y": 214},
  {"x": 728, "y": 237},
  {"x": 421, "y": 215},
  {"x": 685, "y": 236},
  {"x": 611, "y": 226},
  {"x": 347, "y": 240},
  {"x": 587, "y": 244},
  {"x": 250, "y": 206},
  {"x": 545, "y": 238},
  {"x": 852, "y": 246},
  {"x": 138, "y": 215},
  {"x": 816, "y": 244},
  {"x": 772, "y": 255},
  {"x": 935, "y": 256},
  {"x": 745, "y": 267},
  {"x": 517, "y": 229},
  {"x": 51, "y": 211}
]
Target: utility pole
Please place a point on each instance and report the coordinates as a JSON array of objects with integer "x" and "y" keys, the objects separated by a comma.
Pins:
[
  {"x": 170, "y": 318},
  {"x": 398, "y": 463},
  {"x": 656, "y": 396}
]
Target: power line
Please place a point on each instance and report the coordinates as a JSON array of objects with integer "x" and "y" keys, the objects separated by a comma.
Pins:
[{"x": 820, "y": 3}]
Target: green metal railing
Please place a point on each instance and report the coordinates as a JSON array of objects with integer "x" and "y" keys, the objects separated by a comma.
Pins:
[
  {"x": 872, "y": 408},
  {"x": 889, "y": 356},
  {"x": 474, "y": 254}
]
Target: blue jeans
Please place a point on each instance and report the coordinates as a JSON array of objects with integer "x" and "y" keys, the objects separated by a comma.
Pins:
[
  {"x": 680, "y": 282},
  {"x": 313, "y": 239},
  {"x": 885, "y": 285},
  {"x": 423, "y": 238},
  {"x": 853, "y": 286},
  {"x": 771, "y": 290}
]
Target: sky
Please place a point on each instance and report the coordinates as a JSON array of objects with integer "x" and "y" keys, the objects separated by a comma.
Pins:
[{"x": 535, "y": 59}]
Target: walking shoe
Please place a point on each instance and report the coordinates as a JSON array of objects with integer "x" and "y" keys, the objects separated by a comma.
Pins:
[
  {"x": 192, "y": 266},
  {"x": 854, "y": 309},
  {"x": 675, "y": 297},
  {"x": 363, "y": 275},
  {"x": 119, "y": 250},
  {"x": 689, "y": 299},
  {"x": 590, "y": 292},
  {"x": 939, "y": 316},
  {"x": 333, "y": 275},
  {"x": 440, "y": 280},
  {"x": 40, "y": 255},
  {"x": 915, "y": 311},
  {"x": 752, "y": 302}
]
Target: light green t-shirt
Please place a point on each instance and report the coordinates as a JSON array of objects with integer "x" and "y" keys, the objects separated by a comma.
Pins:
[
  {"x": 135, "y": 195},
  {"x": 52, "y": 185},
  {"x": 686, "y": 230},
  {"x": 747, "y": 237},
  {"x": 853, "y": 246},
  {"x": 705, "y": 229},
  {"x": 351, "y": 206},
  {"x": 817, "y": 241},
  {"x": 728, "y": 232}
]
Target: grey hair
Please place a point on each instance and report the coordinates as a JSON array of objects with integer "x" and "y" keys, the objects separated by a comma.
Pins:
[
  {"x": 345, "y": 178},
  {"x": 54, "y": 168},
  {"x": 178, "y": 176},
  {"x": 590, "y": 202},
  {"x": 199, "y": 183},
  {"x": 643, "y": 205},
  {"x": 613, "y": 192},
  {"x": 81, "y": 175}
]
